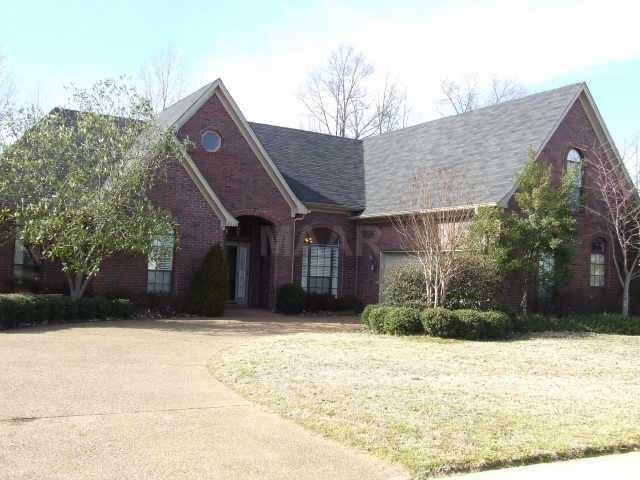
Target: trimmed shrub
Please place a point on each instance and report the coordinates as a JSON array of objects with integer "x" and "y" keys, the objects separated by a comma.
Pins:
[
  {"x": 27, "y": 310},
  {"x": 364, "y": 317},
  {"x": 466, "y": 324},
  {"x": 376, "y": 317},
  {"x": 440, "y": 322},
  {"x": 610, "y": 323},
  {"x": 290, "y": 299},
  {"x": 402, "y": 321},
  {"x": 210, "y": 285}
]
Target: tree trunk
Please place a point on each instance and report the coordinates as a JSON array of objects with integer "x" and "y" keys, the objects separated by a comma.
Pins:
[
  {"x": 524, "y": 300},
  {"x": 625, "y": 295},
  {"x": 77, "y": 285}
]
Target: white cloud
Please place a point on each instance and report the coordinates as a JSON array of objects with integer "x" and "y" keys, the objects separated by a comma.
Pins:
[{"x": 530, "y": 41}]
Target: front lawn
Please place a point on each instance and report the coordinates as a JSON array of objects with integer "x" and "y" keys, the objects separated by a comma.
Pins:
[{"x": 437, "y": 406}]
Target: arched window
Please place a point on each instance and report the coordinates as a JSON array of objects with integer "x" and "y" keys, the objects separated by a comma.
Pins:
[
  {"x": 597, "y": 263},
  {"x": 320, "y": 262},
  {"x": 574, "y": 168},
  {"x": 160, "y": 264}
]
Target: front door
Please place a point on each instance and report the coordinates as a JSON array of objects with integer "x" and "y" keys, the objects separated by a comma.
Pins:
[
  {"x": 242, "y": 274},
  {"x": 238, "y": 259}
]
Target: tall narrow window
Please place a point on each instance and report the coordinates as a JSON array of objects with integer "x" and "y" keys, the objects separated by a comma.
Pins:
[
  {"x": 597, "y": 264},
  {"x": 160, "y": 264},
  {"x": 546, "y": 266},
  {"x": 320, "y": 267},
  {"x": 25, "y": 268},
  {"x": 574, "y": 168}
]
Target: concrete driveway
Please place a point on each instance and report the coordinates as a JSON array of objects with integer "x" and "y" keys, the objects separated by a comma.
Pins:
[{"x": 134, "y": 400}]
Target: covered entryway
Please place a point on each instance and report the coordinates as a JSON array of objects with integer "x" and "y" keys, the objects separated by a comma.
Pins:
[{"x": 249, "y": 252}]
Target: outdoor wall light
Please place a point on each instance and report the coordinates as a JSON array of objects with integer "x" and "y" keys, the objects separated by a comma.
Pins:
[{"x": 308, "y": 239}]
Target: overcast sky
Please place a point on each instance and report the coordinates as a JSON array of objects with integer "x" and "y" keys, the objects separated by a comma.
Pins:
[{"x": 264, "y": 50}]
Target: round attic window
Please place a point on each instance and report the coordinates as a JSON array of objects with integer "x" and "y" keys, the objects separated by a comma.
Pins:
[{"x": 211, "y": 141}]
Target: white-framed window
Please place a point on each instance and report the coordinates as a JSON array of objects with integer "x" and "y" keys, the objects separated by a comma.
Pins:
[
  {"x": 160, "y": 264},
  {"x": 597, "y": 263},
  {"x": 25, "y": 267},
  {"x": 574, "y": 168},
  {"x": 320, "y": 268},
  {"x": 211, "y": 141}
]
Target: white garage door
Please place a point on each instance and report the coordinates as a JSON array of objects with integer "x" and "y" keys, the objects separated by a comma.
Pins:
[{"x": 390, "y": 262}]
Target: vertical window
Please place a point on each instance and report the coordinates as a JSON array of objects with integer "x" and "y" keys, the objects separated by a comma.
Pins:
[
  {"x": 574, "y": 168},
  {"x": 320, "y": 269},
  {"x": 597, "y": 270},
  {"x": 160, "y": 264},
  {"x": 546, "y": 266},
  {"x": 25, "y": 268}
]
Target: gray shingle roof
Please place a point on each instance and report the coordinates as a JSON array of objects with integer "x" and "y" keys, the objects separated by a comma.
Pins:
[
  {"x": 319, "y": 168},
  {"x": 487, "y": 148}
]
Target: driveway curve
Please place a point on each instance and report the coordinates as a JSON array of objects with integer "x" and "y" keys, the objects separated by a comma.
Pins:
[{"x": 135, "y": 400}]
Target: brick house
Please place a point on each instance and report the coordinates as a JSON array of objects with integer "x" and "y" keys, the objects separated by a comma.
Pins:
[{"x": 296, "y": 206}]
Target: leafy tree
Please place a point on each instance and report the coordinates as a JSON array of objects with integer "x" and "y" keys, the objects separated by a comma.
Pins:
[
  {"x": 541, "y": 226},
  {"x": 75, "y": 187}
]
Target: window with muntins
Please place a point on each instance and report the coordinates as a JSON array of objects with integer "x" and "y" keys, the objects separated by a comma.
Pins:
[
  {"x": 320, "y": 267},
  {"x": 597, "y": 264},
  {"x": 160, "y": 264},
  {"x": 574, "y": 168}
]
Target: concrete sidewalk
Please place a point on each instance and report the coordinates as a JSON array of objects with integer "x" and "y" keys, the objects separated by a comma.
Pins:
[{"x": 610, "y": 467}]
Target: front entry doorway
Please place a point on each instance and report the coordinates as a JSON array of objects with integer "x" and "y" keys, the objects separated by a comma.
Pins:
[
  {"x": 248, "y": 249},
  {"x": 238, "y": 260}
]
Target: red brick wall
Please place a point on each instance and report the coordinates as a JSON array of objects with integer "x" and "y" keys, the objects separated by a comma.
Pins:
[
  {"x": 344, "y": 228},
  {"x": 198, "y": 229},
  {"x": 577, "y": 296},
  {"x": 241, "y": 182},
  {"x": 576, "y": 132},
  {"x": 373, "y": 238}
]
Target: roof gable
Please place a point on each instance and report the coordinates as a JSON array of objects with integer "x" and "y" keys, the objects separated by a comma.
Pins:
[
  {"x": 176, "y": 115},
  {"x": 485, "y": 149}
]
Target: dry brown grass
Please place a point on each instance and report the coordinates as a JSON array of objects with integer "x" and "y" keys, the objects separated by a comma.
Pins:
[{"x": 439, "y": 406}]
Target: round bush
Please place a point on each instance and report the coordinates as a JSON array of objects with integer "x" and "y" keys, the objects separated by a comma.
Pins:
[
  {"x": 376, "y": 317},
  {"x": 440, "y": 322},
  {"x": 402, "y": 321},
  {"x": 290, "y": 299}
]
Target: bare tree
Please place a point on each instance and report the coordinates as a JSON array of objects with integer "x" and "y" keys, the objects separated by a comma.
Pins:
[
  {"x": 503, "y": 90},
  {"x": 467, "y": 95},
  {"x": 163, "y": 78},
  {"x": 437, "y": 231},
  {"x": 460, "y": 97},
  {"x": 619, "y": 207},
  {"x": 338, "y": 100}
]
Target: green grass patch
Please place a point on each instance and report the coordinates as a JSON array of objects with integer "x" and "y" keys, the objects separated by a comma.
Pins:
[{"x": 439, "y": 406}]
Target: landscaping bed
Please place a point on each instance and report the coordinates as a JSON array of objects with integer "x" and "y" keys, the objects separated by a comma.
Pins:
[
  {"x": 439, "y": 406},
  {"x": 22, "y": 310}
]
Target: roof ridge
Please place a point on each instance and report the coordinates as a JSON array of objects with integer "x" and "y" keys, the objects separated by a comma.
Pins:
[
  {"x": 475, "y": 110},
  {"x": 307, "y": 131}
]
